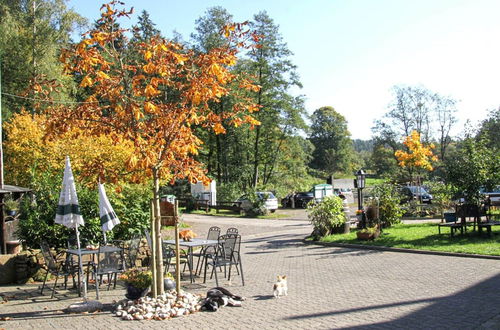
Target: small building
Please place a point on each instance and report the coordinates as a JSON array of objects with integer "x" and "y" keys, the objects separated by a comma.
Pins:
[
  {"x": 206, "y": 193},
  {"x": 321, "y": 191}
]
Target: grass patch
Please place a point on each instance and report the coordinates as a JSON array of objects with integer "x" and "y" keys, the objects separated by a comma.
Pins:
[
  {"x": 374, "y": 181},
  {"x": 181, "y": 225},
  {"x": 426, "y": 237}
]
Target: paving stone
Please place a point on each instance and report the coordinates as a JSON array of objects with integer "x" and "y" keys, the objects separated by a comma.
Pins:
[{"x": 329, "y": 288}]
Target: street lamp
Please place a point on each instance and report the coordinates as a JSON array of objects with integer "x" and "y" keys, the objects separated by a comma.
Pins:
[{"x": 360, "y": 184}]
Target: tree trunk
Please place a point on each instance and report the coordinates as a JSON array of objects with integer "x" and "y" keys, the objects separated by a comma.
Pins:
[
  {"x": 158, "y": 267},
  {"x": 177, "y": 250},
  {"x": 256, "y": 158},
  {"x": 152, "y": 262}
]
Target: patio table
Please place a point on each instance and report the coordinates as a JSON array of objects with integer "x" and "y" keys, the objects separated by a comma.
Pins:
[
  {"x": 194, "y": 242},
  {"x": 92, "y": 252}
]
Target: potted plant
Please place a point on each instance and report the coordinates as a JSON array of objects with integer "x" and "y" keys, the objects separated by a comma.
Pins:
[
  {"x": 137, "y": 281},
  {"x": 368, "y": 233},
  {"x": 11, "y": 206},
  {"x": 169, "y": 282}
]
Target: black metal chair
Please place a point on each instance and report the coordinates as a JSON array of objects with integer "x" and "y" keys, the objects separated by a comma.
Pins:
[
  {"x": 226, "y": 254},
  {"x": 169, "y": 258},
  {"x": 56, "y": 268},
  {"x": 131, "y": 251},
  {"x": 213, "y": 234},
  {"x": 232, "y": 230},
  {"x": 110, "y": 263}
]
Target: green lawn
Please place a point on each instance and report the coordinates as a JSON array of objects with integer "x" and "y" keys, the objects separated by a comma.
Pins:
[
  {"x": 426, "y": 237},
  {"x": 374, "y": 181}
]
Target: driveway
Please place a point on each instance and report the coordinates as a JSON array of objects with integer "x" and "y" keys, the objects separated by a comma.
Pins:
[{"x": 329, "y": 288}]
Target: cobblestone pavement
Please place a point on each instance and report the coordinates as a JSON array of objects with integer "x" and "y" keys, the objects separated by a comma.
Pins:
[{"x": 329, "y": 288}]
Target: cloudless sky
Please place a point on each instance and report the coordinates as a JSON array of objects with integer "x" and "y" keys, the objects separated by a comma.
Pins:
[{"x": 350, "y": 53}]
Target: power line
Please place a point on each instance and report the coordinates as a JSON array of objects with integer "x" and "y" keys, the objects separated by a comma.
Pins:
[{"x": 48, "y": 101}]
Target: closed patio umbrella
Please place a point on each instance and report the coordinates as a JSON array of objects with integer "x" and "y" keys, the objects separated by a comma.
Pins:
[
  {"x": 68, "y": 213},
  {"x": 106, "y": 212}
]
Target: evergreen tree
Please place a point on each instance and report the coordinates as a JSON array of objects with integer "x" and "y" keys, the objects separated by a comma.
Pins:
[{"x": 145, "y": 29}]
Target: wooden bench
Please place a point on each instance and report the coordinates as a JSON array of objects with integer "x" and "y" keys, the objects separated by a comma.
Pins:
[
  {"x": 453, "y": 223},
  {"x": 487, "y": 225}
]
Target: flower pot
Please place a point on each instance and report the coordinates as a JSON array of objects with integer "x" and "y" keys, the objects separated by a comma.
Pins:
[
  {"x": 11, "y": 213},
  {"x": 168, "y": 284},
  {"x": 367, "y": 236},
  {"x": 134, "y": 293}
]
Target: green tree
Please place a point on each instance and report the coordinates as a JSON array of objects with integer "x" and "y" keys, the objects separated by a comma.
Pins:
[
  {"x": 474, "y": 165},
  {"x": 490, "y": 130},
  {"x": 144, "y": 29},
  {"x": 282, "y": 114},
  {"x": 273, "y": 154},
  {"x": 33, "y": 31},
  {"x": 331, "y": 139}
]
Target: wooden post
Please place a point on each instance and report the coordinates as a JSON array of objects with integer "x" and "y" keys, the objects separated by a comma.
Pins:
[
  {"x": 153, "y": 250},
  {"x": 177, "y": 250},
  {"x": 158, "y": 281}
]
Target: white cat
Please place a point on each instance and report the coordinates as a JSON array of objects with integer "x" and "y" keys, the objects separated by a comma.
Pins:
[{"x": 280, "y": 288}]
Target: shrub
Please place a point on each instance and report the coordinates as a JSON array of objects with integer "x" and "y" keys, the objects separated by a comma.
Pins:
[
  {"x": 327, "y": 215},
  {"x": 389, "y": 198},
  {"x": 37, "y": 215}
]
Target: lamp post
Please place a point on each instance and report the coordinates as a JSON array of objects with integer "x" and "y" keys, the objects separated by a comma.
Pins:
[{"x": 360, "y": 184}]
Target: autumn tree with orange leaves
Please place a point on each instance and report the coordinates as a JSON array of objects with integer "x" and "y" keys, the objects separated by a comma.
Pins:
[
  {"x": 418, "y": 157},
  {"x": 154, "y": 103}
]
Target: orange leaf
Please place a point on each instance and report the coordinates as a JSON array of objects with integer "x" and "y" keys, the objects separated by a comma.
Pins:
[
  {"x": 102, "y": 75},
  {"x": 86, "y": 82}
]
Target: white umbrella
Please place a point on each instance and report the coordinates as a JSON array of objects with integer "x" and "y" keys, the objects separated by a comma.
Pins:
[
  {"x": 68, "y": 213},
  {"x": 106, "y": 213}
]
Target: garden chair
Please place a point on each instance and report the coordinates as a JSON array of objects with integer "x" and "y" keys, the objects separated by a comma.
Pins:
[
  {"x": 55, "y": 268},
  {"x": 226, "y": 254},
  {"x": 131, "y": 252},
  {"x": 232, "y": 230},
  {"x": 213, "y": 234},
  {"x": 110, "y": 263},
  {"x": 169, "y": 258}
]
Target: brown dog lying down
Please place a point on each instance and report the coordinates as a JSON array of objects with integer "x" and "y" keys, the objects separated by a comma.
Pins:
[{"x": 218, "y": 297}]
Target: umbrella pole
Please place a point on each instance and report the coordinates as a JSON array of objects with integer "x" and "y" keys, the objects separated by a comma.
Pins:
[
  {"x": 104, "y": 235},
  {"x": 80, "y": 264}
]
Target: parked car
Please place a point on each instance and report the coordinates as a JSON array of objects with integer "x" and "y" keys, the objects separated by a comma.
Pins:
[
  {"x": 300, "y": 199},
  {"x": 414, "y": 193},
  {"x": 344, "y": 191},
  {"x": 270, "y": 201},
  {"x": 493, "y": 194}
]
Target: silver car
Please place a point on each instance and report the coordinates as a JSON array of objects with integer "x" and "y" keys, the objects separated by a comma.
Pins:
[{"x": 270, "y": 201}]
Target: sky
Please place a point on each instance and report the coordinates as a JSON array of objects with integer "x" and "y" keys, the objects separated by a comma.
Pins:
[{"x": 350, "y": 53}]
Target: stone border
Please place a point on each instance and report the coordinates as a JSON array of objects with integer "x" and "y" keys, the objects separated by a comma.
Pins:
[{"x": 401, "y": 250}]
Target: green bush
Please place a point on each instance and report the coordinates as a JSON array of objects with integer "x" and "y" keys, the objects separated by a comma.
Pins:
[
  {"x": 326, "y": 216},
  {"x": 38, "y": 214},
  {"x": 389, "y": 198}
]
